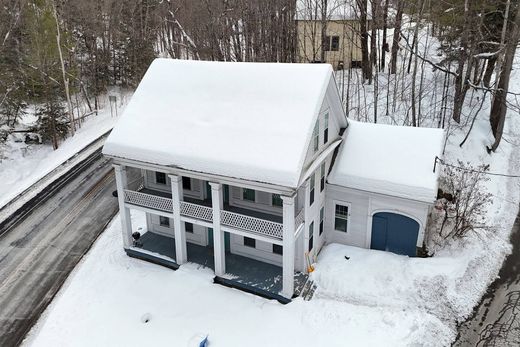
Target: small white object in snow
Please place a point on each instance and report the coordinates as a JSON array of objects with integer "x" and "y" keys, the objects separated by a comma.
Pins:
[{"x": 388, "y": 159}]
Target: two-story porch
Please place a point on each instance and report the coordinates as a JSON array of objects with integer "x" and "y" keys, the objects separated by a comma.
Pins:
[{"x": 250, "y": 246}]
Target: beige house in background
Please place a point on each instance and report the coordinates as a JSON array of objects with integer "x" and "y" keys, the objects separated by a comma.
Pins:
[{"x": 341, "y": 45}]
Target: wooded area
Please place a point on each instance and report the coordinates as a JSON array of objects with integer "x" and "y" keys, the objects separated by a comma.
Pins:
[{"x": 62, "y": 55}]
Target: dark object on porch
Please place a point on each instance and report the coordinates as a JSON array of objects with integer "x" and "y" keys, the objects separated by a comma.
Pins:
[{"x": 136, "y": 235}]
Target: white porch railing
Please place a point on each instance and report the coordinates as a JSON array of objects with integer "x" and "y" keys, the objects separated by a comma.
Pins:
[
  {"x": 148, "y": 200},
  {"x": 196, "y": 211},
  {"x": 252, "y": 224},
  {"x": 300, "y": 218}
]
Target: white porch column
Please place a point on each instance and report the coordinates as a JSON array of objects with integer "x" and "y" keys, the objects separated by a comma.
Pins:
[
  {"x": 181, "y": 254},
  {"x": 124, "y": 212},
  {"x": 218, "y": 235},
  {"x": 288, "y": 246}
]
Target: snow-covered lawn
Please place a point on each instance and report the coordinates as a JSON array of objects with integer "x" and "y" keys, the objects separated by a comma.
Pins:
[
  {"x": 22, "y": 165},
  {"x": 106, "y": 301}
]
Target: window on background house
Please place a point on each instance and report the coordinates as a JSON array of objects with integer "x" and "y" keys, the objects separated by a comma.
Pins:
[
  {"x": 164, "y": 221},
  {"x": 326, "y": 128},
  {"x": 248, "y": 194},
  {"x": 316, "y": 136},
  {"x": 326, "y": 43},
  {"x": 341, "y": 218},
  {"x": 334, "y": 43},
  {"x": 186, "y": 183},
  {"x": 278, "y": 249},
  {"x": 311, "y": 235},
  {"x": 322, "y": 177},
  {"x": 321, "y": 219},
  {"x": 276, "y": 200},
  {"x": 311, "y": 192},
  {"x": 249, "y": 242},
  {"x": 188, "y": 227},
  {"x": 160, "y": 178}
]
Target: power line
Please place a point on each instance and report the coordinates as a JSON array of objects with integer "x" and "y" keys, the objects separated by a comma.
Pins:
[{"x": 437, "y": 159}]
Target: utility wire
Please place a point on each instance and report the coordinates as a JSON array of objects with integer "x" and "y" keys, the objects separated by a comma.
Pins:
[{"x": 437, "y": 159}]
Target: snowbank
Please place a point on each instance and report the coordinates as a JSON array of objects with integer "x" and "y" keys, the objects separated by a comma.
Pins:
[
  {"x": 106, "y": 301},
  {"x": 391, "y": 160}
]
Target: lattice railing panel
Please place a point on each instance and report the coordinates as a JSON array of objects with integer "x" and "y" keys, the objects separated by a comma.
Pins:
[
  {"x": 300, "y": 218},
  {"x": 148, "y": 200},
  {"x": 253, "y": 224},
  {"x": 196, "y": 211}
]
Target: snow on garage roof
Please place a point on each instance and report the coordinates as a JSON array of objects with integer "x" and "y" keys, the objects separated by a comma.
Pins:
[
  {"x": 245, "y": 120},
  {"x": 391, "y": 160}
]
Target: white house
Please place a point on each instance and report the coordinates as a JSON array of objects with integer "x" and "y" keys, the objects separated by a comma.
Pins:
[{"x": 250, "y": 168}]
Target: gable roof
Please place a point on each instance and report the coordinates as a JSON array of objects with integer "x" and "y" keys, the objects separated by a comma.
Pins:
[
  {"x": 336, "y": 10},
  {"x": 388, "y": 159},
  {"x": 251, "y": 121}
]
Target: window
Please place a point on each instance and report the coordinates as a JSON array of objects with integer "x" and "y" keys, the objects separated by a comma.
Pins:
[
  {"x": 278, "y": 249},
  {"x": 341, "y": 218},
  {"x": 249, "y": 242},
  {"x": 316, "y": 136},
  {"x": 326, "y": 128},
  {"x": 186, "y": 183},
  {"x": 188, "y": 227},
  {"x": 331, "y": 43},
  {"x": 311, "y": 193},
  {"x": 322, "y": 177},
  {"x": 164, "y": 221},
  {"x": 311, "y": 235},
  {"x": 276, "y": 200},
  {"x": 160, "y": 178},
  {"x": 334, "y": 43},
  {"x": 248, "y": 194},
  {"x": 321, "y": 220}
]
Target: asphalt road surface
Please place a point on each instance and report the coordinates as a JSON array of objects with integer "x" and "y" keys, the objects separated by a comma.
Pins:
[
  {"x": 496, "y": 321},
  {"x": 40, "y": 247}
]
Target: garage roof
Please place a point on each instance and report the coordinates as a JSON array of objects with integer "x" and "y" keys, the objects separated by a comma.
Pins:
[{"x": 390, "y": 160}]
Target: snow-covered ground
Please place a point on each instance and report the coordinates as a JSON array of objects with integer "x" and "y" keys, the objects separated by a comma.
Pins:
[
  {"x": 24, "y": 164},
  {"x": 109, "y": 296}
]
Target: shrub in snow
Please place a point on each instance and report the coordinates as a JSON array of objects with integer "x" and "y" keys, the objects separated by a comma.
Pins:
[
  {"x": 461, "y": 206},
  {"x": 53, "y": 122}
]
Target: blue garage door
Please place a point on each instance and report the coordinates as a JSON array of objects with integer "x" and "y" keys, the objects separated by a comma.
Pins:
[{"x": 395, "y": 233}]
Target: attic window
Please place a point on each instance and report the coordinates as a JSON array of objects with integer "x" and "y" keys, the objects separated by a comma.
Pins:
[
  {"x": 326, "y": 128},
  {"x": 316, "y": 136}
]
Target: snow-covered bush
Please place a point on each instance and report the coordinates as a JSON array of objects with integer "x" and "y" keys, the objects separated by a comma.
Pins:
[{"x": 461, "y": 204}]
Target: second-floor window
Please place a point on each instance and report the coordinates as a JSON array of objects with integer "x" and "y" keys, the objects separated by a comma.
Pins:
[
  {"x": 164, "y": 221},
  {"x": 322, "y": 177},
  {"x": 311, "y": 192},
  {"x": 186, "y": 183},
  {"x": 316, "y": 136},
  {"x": 331, "y": 43},
  {"x": 322, "y": 212},
  {"x": 248, "y": 194},
  {"x": 276, "y": 200},
  {"x": 326, "y": 128},
  {"x": 188, "y": 227},
  {"x": 249, "y": 242},
  {"x": 160, "y": 178}
]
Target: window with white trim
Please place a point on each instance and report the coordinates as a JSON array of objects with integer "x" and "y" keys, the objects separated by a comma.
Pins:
[
  {"x": 276, "y": 200},
  {"x": 322, "y": 177},
  {"x": 311, "y": 192},
  {"x": 160, "y": 178},
  {"x": 164, "y": 221},
  {"x": 186, "y": 183},
  {"x": 326, "y": 128},
  {"x": 322, "y": 212},
  {"x": 316, "y": 136},
  {"x": 341, "y": 216},
  {"x": 311, "y": 235},
  {"x": 248, "y": 194}
]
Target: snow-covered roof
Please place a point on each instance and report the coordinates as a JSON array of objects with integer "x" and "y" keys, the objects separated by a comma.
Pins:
[
  {"x": 391, "y": 160},
  {"x": 336, "y": 10},
  {"x": 250, "y": 121}
]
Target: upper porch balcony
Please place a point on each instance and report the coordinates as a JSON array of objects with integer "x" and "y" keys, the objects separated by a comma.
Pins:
[{"x": 201, "y": 211}]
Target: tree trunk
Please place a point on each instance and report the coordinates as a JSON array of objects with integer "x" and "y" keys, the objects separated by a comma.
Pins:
[
  {"x": 396, "y": 38},
  {"x": 384, "y": 45},
  {"x": 363, "y": 28},
  {"x": 499, "y": 107},
  {"x": 490, "y": 67}
]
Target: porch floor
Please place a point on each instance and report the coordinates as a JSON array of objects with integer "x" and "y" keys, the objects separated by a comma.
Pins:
[{"x": 244, "y": 270}]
